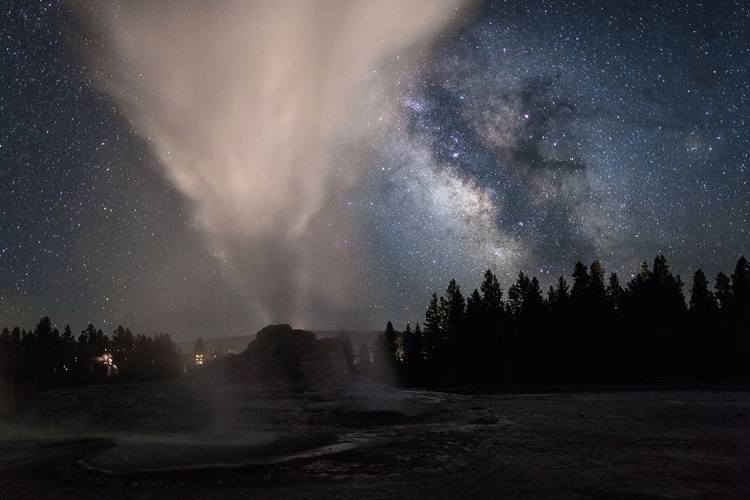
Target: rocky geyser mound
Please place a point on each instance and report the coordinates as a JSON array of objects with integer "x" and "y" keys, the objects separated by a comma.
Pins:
[{"x": 286, "y": 355}]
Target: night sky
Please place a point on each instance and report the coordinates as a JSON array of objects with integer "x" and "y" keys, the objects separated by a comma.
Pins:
[{"x": 146, "y": 181}]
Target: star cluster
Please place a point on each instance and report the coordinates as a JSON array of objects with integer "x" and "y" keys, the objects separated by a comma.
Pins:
[{"x": 532, "y": 135}]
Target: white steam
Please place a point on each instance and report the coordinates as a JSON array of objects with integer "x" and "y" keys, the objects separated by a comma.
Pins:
[{"x": 246, "y": 102}]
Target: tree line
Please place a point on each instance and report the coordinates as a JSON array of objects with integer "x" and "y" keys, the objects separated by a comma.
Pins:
[
  {"x": 592, "y": 330},
  {"x": 43, "y": 358}
]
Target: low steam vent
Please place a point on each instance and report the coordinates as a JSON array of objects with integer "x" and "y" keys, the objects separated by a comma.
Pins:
[{"x": 283, "y": 354}]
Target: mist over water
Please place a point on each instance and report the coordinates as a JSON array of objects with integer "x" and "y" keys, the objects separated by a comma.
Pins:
[{"x": 261, "y": 113}]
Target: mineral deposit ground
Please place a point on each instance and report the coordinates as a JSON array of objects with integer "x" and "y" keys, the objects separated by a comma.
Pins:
[{"x": 204, "y": 439}]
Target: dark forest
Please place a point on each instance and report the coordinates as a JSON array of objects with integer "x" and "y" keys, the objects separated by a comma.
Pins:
[
  {"x": 592, "y": 330},
  {"x": 43, "y": 358}
]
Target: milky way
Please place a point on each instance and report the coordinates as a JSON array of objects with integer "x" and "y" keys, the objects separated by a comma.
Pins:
[
  {"x": 614, "y": 132},
  {"x": 526, "y": 137}
]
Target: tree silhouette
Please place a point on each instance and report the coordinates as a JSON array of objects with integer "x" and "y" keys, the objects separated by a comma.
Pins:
[
  {"x": 493, "y": 336},
  {"x": 559, "y": 335},
  {"x": 452, "y": 313},
  {"x": 725, "y": 326},
  {"x": 474, "y": 339},
  {"x": 615, "y": 292},
  {"x": 705, "y": 346},
  {"x": 391, "y": 343},
  {"x": 656, "y": 308},
  {"x": 702, "y": 300},
  {"x": 143, "y": 359},
  {"x": 738, "y": 319},
  {"x": 68, "y": 353},
  {"x": 43, "y": 358},
  {"x": 741, "y": 283},
  {"x": 166, "y": 359},
  {"x": 411, "y": 348},
  {"x": 526, "y": 310},
  {"x": 412, "y": 357},
  {"x": 123, "y": 347},
  {"x": 559, "y": 294},
  {"x": 417, "y": 348},
  {"x": 586, "y": 332},
  {"x": 724, "y": 293},
  {"x": 10, "y": 345},
  {"x": 432, "y": 333},
  {"x": 385, "y": 360}
]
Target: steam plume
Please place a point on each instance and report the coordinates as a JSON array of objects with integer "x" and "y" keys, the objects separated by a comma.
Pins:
[{"x": 246, "y": 103}]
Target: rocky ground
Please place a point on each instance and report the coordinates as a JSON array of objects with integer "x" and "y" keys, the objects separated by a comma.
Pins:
[{"x": 205, "y": 439}]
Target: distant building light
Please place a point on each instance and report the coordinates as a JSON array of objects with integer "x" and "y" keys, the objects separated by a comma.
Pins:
[{"x": 199, "y": 359}]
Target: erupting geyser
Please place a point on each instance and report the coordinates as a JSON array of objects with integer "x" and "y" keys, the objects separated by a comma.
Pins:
[{"x": 249, "y": 105}]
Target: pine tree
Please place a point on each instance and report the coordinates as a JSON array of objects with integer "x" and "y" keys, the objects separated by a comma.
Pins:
[
  {"x": 7, "y": 354},
  {"x": 603, "y": 343},
  {"x": 474, "y": 340},
  {"x": 492, "y": 294},
  {"x": 166, "y": 359},
  {"x": 640, "y": 281},
  {"x": 702, "y": 300},
  {"x": 413, "y": 361},
  {"x": 419, "y": 345},
  {"x": 527, "y": 314},
  {"x": 704, "y": 353},
  {"x": 47, "y": 360},
  {"x": 143, "y": 357},
  {"x": 656, "y": 307},
  {"x": 724, "y": 293},
  {"x": 597, "y": 289},
  {"x": 741, "y": 283},
  {"x": 581, "y": 279},
  {"x": 493, "y": 337},
  {"x": 558, "y": 338},
  {"x": 615, "y": 292},
  {"x": 668, "y": 287},
  {"x": 386, "y": 345},
  {"x": 739, "y": 320},
  {"x": 558, "y": 295},
  {"x": 516, "y": 294},
  {"x": 453, "y": 330},
  {"x": 410, "y": 347},
  {"x": 432, "y": 331},
  {"x": 391, "y": 338},
  {"x": 123, "y": 345},
  {"x": 385, "y": 361},
  {"x": 68, "y": 353}
]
